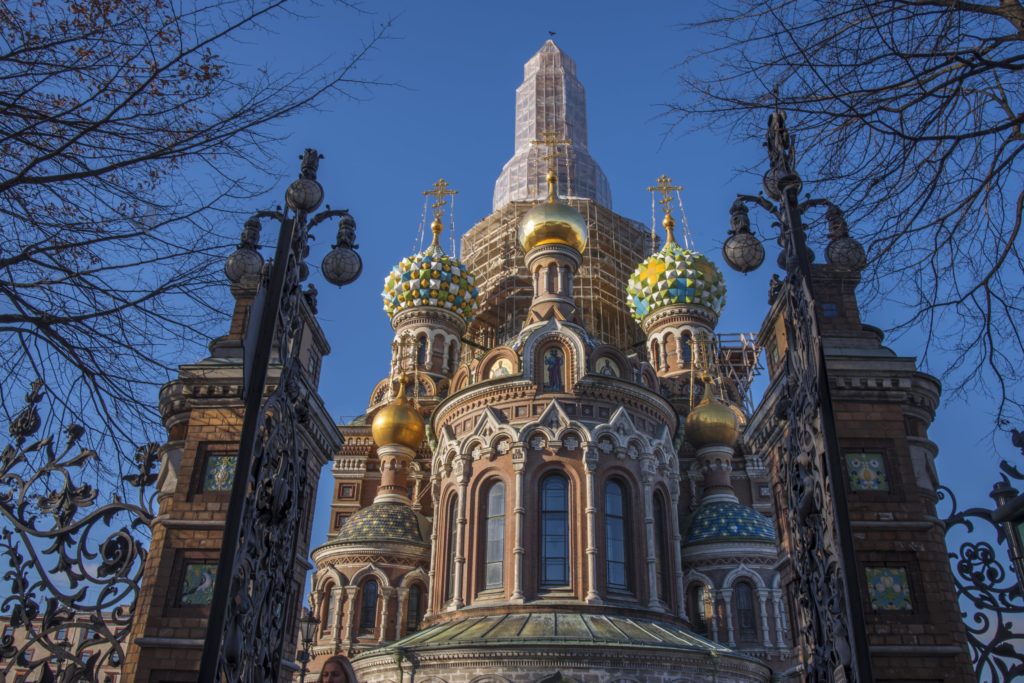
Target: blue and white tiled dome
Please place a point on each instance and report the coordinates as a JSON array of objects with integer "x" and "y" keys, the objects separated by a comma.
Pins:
[{"x": 729, "y": 521}]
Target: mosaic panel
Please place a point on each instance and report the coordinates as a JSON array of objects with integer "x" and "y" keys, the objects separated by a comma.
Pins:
[
  {"x": 888, "y": 588},
  {"x": 867, "y": 472},
  {"x": 219, "y": 474},
  {"x": 197, "y": 583}
]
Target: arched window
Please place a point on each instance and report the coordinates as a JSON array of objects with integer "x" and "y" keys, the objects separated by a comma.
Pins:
[
  {"x": 494, "y": 539},
  {"x": 453, "y": 355},
  {"x": 554, "y": 531},
  {"x": 332, "y": 608},
  {"x": 662, "y": 558},
  {"x": 700, "y": 608},
  {"x": 421, "y": 349},
  {"x": 368, "y": 608},
  {"x": 743, "y": 596},
  {"x": 414, "y": 615},
  {"x": 449, "y": 589},
  {"x": 616, "y": 556},
  {"x": 686, "y": 348},
  {"x": 656, "y": 354}
]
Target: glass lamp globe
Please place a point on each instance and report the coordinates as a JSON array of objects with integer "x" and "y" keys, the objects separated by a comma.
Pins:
[
  {"x": 243, "y": 263},
  {"x": 307, "y": 625},
  {"x": 342, "y": 266},
  {"x": 304, "y": 195},
  {"x": 846, "y": 252},
  {"x": 743, "y": 252}
]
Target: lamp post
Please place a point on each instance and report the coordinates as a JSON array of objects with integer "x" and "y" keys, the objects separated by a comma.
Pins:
[
  {"x": 307, "y": 628},
  {"x": 815, "y": 509},
  {"x": 255, "y": 573}
]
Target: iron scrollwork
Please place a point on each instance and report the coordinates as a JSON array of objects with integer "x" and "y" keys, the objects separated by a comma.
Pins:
[
  {"x": 252, "y": 607},
  {"x": 991, "y": 599},
  {"x": 73, "y": 565}
]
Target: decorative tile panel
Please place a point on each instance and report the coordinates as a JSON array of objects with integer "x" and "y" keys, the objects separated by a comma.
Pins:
[
  {"x": 888, "y": 589},
  {"x": 867, "y": 472},
  {"x": 219, "y": 474},
  {"x": 197, "y": 583}
]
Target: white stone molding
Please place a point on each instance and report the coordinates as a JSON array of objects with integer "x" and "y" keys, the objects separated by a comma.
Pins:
[
  {"x": 351, "y": 592},
  {"x": 780, "y": 618},
  {"x": 519, "y": 510},
  {"x": 726, "y": 594},
  {"x": 744, "y": 572},
  {"x": 435, "y": 493},
  {"x": 590, "y": 463},
  {"x": 762, "y": 598},
  {"x": 460, "y": 537},
  {"x": 646, "y": 469},
  {"x": 385, "y": 595},
  {"x": 677, "y": 549},
  {"x": 401, "y": 610},
  {"x": 369, "y": 569}
]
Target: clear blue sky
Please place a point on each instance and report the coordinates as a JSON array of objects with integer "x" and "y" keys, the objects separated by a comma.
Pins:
[{"x": 457, "y": 65}]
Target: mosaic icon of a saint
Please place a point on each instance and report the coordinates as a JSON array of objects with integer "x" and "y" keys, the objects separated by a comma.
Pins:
[{"x": 553, "y": 362}]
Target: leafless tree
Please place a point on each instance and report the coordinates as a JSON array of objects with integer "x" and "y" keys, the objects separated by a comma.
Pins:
[
  {"x": 909, "y": 114},
  {"x": 124, "y": 136}
]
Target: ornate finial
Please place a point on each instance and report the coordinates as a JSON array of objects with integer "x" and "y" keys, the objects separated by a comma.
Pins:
[
  {"x": 439, "y": 193},
  {"x": 403, "y": 382},
  {"x": 551, "y": 140},
  {"x": 666, "y": 188},
  {"x": 27, "y": 421},
  {"x": 781, "y": 157},
  {"x": 310, "y": 163}
]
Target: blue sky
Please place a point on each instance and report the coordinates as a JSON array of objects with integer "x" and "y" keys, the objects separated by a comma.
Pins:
[{"x": 456, "y": 65}]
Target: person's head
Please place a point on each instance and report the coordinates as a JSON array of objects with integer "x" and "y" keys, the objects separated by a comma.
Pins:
[{"x": 333, "y": 671}]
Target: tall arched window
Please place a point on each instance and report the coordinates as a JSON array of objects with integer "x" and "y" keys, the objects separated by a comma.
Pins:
[
  {"x": 699, "y": 606},
  {"x": 743, "y": 596},
  {"x": 332, "y": 608},
  {"x": 554, "y": 531},
  {"x": 616, "y": 555},
  {"x": 662, "y": 558},
  {"x": 368, "y": 608},
  {"x": 421, "y": 349},
  {"x": 656, "y": 354},
  {"x": 686, "y": 348},
  {"x": 414, "y": 615},
  {"x": 449, "y": 589},
  {"x": 494, "y": 539}
]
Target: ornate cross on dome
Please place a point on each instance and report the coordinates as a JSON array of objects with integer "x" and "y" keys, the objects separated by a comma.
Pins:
[
  {"x": 666, "y": 188},
  {"x": 440, "y": 193},
  {"x": 550, "y": 139}
]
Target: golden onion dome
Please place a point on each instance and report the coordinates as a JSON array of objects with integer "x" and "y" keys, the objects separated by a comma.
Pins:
[
  {"x": 712, "y": 422},
  {"x": 553, "y": 222},
  {"x": 399, "y": 423}
]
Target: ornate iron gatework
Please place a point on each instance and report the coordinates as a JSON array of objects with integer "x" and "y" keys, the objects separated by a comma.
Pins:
[
  {"x": 991, "y": 598},
  {"x": 73, "y": 565},
  {"x": 249, "y": 613},
  {"x": 829, "y": 606}
]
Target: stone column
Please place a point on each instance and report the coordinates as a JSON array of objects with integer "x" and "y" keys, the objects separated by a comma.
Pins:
[
  {"x": 647, "y": 478},
  {"x": 730, "y": 635},
  {"x": 460, "y": 534},
  {"x": 677, "y": 545},
  {"x": 385, "y": 594},
  {"x": 350, "y": 615},
  {"x": 590, "y": 465},
  {"x": 780, "y": 631},
  {"x": 401, "y": 610},
  {"x": 519, "y": 510},
  {"x": 435, "y": 494},
  {"x": 336, "y": 594},
  {"x": 762, "y": 598},
  {"x": 714, "y": 614}
]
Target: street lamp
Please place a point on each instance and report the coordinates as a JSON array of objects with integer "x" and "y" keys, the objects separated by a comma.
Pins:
[
  {"x": 255, "y": 573},
  {"x": 810, "y": 464},
  {"x": 307, "y": 628}
]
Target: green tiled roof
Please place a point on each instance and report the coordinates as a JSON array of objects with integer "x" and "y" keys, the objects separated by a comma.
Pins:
[
  {"x": 395, "y": 522},
  {"x": 538, "y": 628}
]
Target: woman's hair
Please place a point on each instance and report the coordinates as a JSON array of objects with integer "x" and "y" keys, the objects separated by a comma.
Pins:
[{"x": 336, "y": 659}]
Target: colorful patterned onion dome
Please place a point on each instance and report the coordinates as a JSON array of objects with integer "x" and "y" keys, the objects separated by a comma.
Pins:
[
  {"x": 674, "y": 275},
  {"x": 431, "y": 278},
  {"x": 729, "y": 521},
  {"x": 385, "y": 521}
]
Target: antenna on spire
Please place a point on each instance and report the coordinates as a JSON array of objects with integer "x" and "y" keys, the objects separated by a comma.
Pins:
[
  {"x": 440, "y": 193},
  {"x": 551, "y": 140},
  {"x": 666, "y": 188}
]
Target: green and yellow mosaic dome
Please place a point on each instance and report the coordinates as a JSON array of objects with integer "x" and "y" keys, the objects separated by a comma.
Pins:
[
  {"x": 385, "y": 521},
  {"x": 674, "y": 275},
  {"x": 431, "y": 278}
]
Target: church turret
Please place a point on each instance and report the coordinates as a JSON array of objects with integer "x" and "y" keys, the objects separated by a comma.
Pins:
[
  {"x": 431, "y": 297},
  {"x": 553, "y": 236}
]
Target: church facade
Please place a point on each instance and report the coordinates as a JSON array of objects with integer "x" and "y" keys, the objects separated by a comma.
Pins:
[{"x": 592, "y": 497}]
